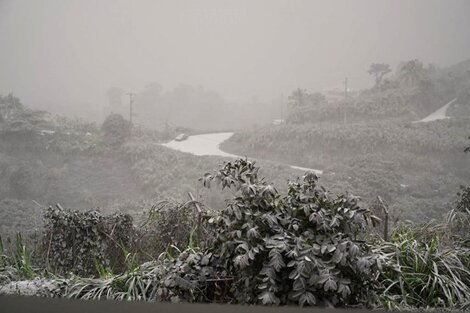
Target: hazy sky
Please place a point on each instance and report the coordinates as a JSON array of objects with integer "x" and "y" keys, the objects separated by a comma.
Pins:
[{"x": 70, "y": 52}]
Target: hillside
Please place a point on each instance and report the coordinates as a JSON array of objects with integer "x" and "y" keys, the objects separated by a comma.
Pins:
[
  {"x": 369, "y": 145},
  {"x": 45, "y": 160}
]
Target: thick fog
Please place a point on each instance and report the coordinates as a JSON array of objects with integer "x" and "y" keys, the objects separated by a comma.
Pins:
[
  {"x": 65, "y": 55},
  {"x": 252, "y": 152}
]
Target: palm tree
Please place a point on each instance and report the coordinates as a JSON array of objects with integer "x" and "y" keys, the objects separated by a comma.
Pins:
[
  {"x": 316, "y": 98},
  {"x": 379, "y": 70},
  {"x": 412, "y": 72},
  {"x": 298, "y": 98},
  {"x": 8, "y": 106}
]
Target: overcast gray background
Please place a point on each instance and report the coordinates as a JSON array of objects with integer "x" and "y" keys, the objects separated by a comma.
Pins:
[{"x": 58, "y": 53}]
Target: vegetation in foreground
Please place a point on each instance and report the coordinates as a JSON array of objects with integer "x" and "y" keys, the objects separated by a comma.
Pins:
[{"x": 300, "y": 247}]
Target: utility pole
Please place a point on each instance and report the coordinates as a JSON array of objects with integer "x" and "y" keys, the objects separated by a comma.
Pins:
[
  {"x": 345, "y": 96},
  {"x": 282, "y": 106},
  {"x": 131, "y": 102}
]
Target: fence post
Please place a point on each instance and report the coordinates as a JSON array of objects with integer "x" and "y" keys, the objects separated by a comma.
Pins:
[{"x": 385, "y": 211}]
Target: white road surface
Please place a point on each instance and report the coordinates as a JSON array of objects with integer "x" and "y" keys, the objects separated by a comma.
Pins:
[
  {"x": 209, "y": 144},
  {"x": 440, "y": 114}
]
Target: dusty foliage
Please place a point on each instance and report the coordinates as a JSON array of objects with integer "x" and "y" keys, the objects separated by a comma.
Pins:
[
  {"x": 168, "y": 225},
  {"x": 298, "y": 248},
  {"x": 82, "y": 241},
  {"x": 427, "y": 265},
  {"x": 116, "y": 129},
  {"x": 188, "y": 277},
  {"x": 17, "y": 264},
  {"x": 301, "y": 247}
]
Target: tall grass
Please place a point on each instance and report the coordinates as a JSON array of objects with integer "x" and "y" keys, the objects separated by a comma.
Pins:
[
  {"x": 138, "y": 283},
  {"x": 3, "y": 256},
  {"x": 22, "y": 259},
  {"x": 425, "y": 268},
  {"x": 15, "y": 263}
]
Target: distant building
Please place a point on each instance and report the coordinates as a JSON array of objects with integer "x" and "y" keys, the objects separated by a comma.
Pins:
[
  {"x": 278, "y": 122},
  {"x": 334, "y": 95}
]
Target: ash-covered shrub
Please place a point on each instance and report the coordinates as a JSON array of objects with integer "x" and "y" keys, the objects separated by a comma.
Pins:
[
  {"x": 116, "y": 130},
  {"x": 189, "y": 277},
  {"x": 302, "y": 247},
  {"x": 79, "y": 242},
  {"x": 168, "y": 224},
  {"x": 298, "y": 248}
]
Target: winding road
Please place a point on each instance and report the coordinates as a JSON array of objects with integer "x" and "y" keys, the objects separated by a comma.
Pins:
[{"x": 209, "y": 144}]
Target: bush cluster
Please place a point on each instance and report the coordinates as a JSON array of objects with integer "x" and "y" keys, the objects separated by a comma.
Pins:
[
  {"x": 301, "y": 247},
  {"x": 81, "y": 242}
]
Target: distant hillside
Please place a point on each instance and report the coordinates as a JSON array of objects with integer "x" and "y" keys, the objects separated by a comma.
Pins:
[
  {"x": 369, "y": 146},
  {"x": 460, "y": 76},
  {"x": 411, "y": 93},
  {"x": 460, "y": 69},
  {"x": 45, "y": 161}
]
